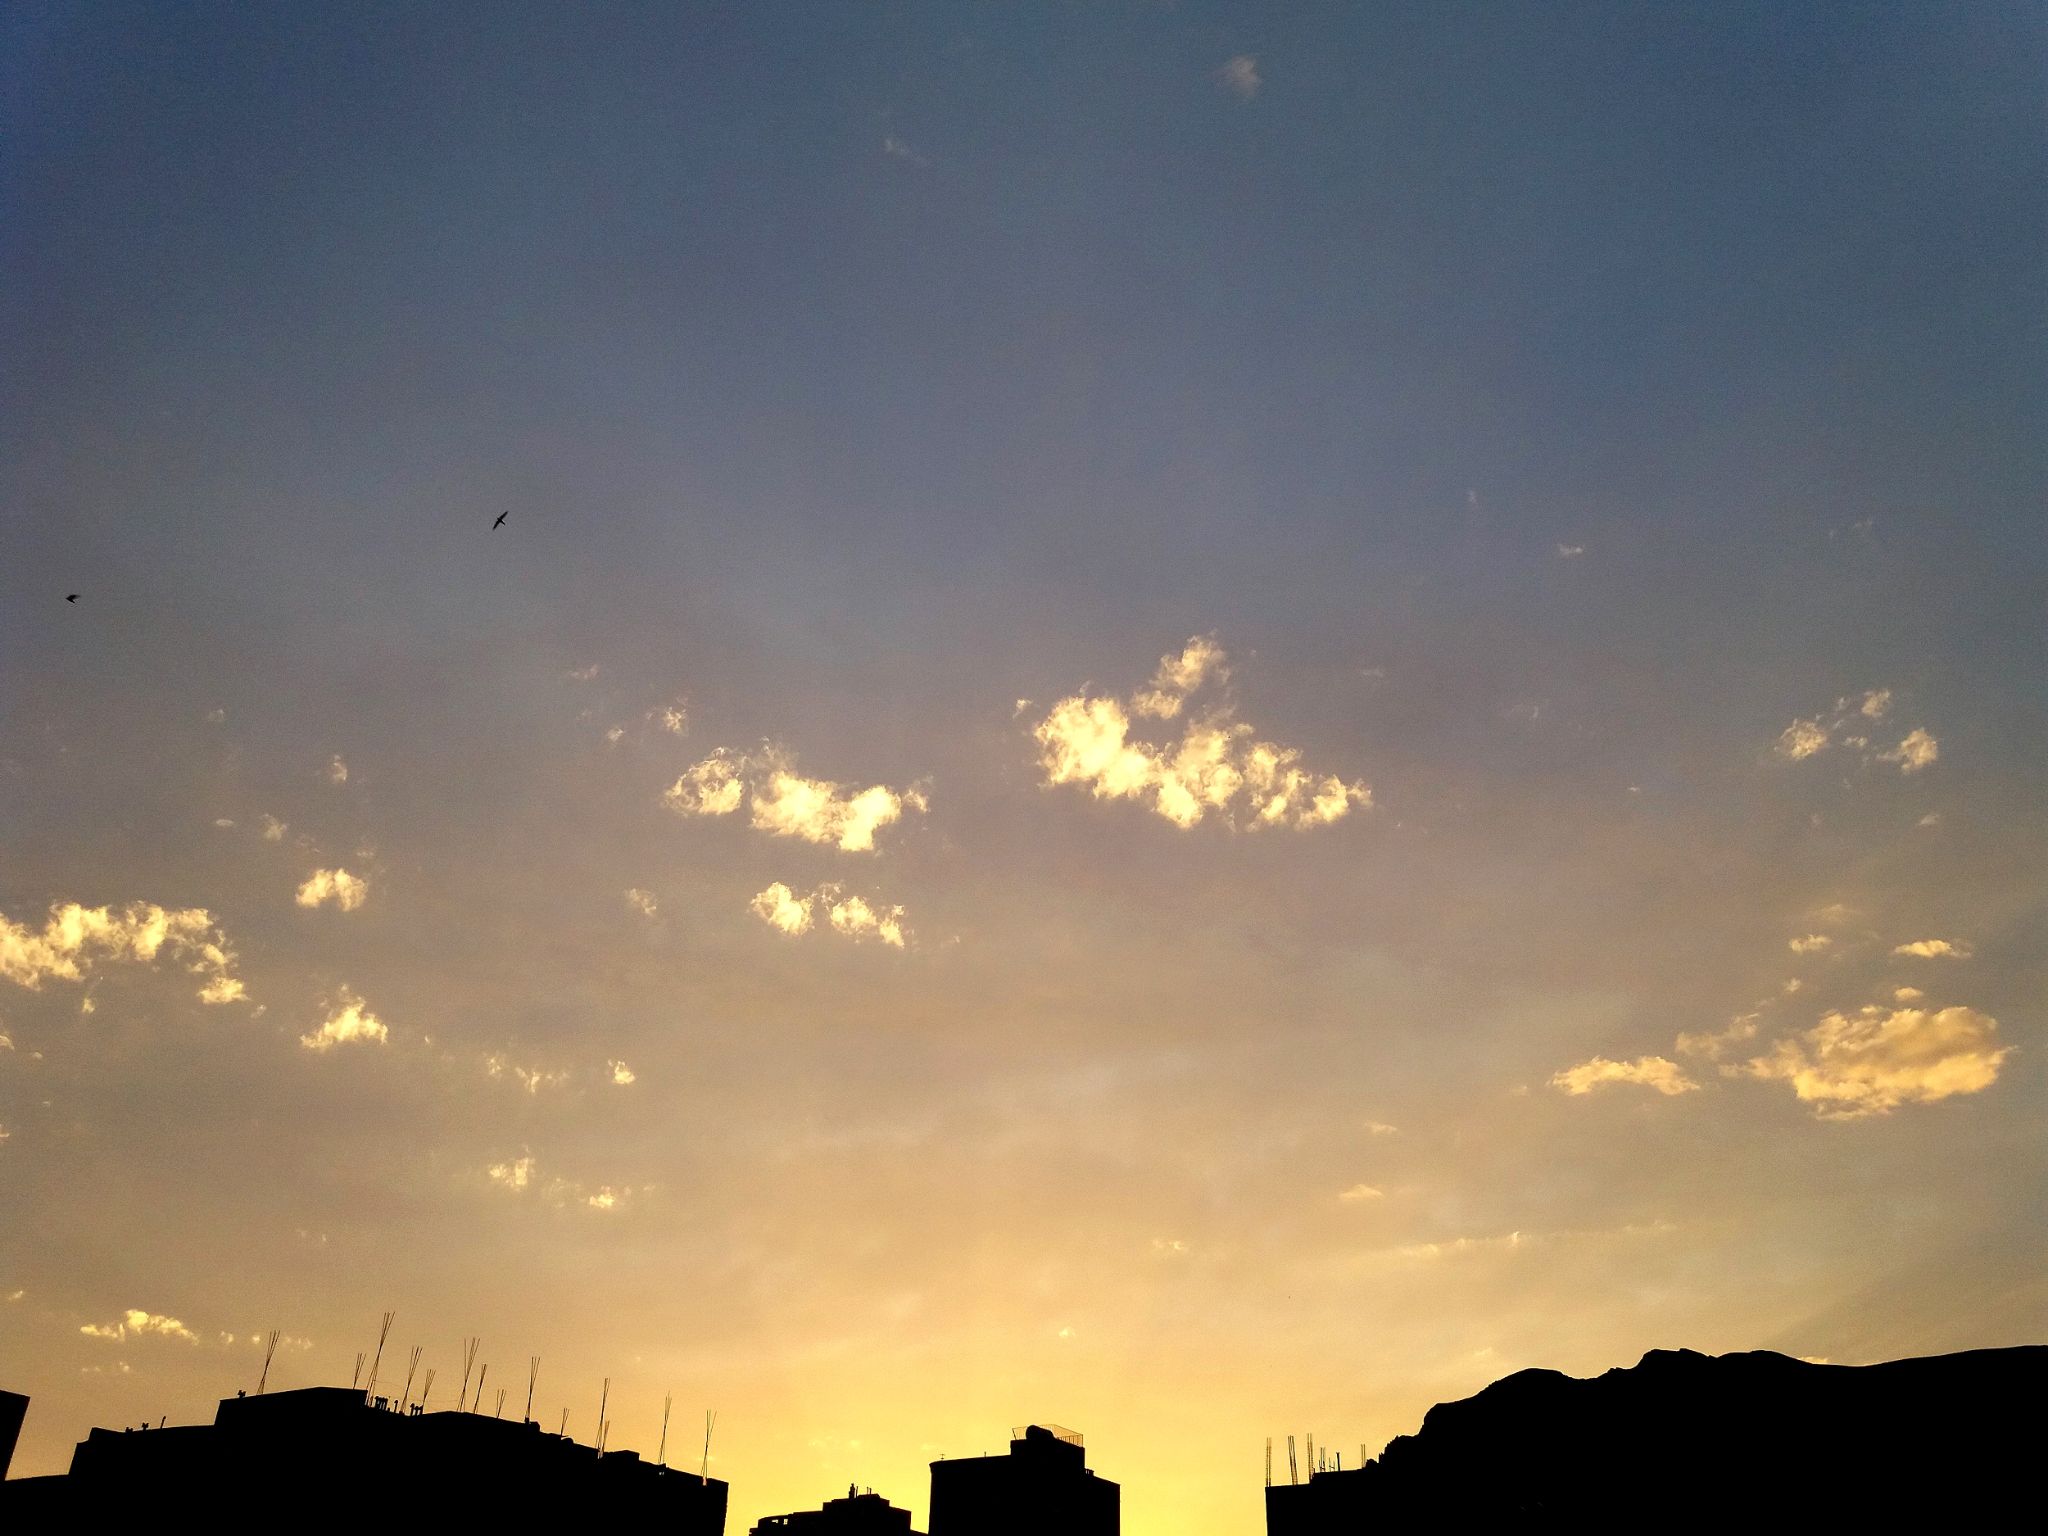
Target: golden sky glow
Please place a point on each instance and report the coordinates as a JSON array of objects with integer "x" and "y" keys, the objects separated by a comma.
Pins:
[{"x": 1197, "y": 721}]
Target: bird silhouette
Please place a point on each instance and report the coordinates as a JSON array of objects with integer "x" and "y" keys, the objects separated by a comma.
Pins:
[
  {"x": 72, "y": 598},
  {"x": 501, "y": 519}
]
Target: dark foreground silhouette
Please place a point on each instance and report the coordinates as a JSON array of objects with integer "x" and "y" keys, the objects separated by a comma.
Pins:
[
  {"x": 1690, "y": 1440},
  {"x": 306, "y": 1458}
]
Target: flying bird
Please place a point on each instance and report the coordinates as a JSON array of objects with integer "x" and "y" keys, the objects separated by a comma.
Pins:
[
  {"x": 72, "y": 598},
  {"x": 501, "y": 519}
]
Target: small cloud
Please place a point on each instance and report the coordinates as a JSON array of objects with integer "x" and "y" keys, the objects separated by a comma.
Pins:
[
  {"x": 1240, "y": 76},
  {"x": 1876, "y": 704},
  {"x": 1813, "y": 943},
  {"x": 606, "y": 1198},
  {"x": 514, "y": 1175},
  {"x": 642, "y": 902},
  {"x": 225, "y": 823},
  {"x": 216, "y": 717},
  {"x": 273, "y": 829},
  {"x": 1801, "y": 739},
  {"x": 674, "y": 718},
  {"x": 621, "y": 1074},
  {"x": 1358, "y": 1193},
  {"x": 853, "y": 916},
  {"x": 785, "y": 803},
  {"x": 1712, "y": 1043},
  {"x": 337, "y": 770},
  {"x": 615, "y": 735},
  {"x": 1934, "y": 949},
  {"x": 1931, "y": 819},
  {"x": 1792, "y": 984},
  {"x": 532, "y": 1079},
  {"x": 781, "y": 908},
  {"x": 1667, "y": 1077},
  {"x": 856, "y": 919},
  {"x": 345, "y": 890},
  {"x": 348, "y": 1022},
  {"x": 1907, "y": 994},
  {"x": 1914, "y": 753},
  {"x": 1170, "y": 1246},
  {"x": 1570, "y": 551},
  {"x": 1873, "y": 1061},
  {"x": 136, "y": 1323},
  {"x": 1381, "y": 1128},
  {"x": 1179, "y": 676},
  {"x": 16, "y": 1295},
  {"x": 582, "y": 674}
]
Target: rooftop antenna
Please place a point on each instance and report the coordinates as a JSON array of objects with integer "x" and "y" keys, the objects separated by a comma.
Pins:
[
  {"x": 1292, "y": 1476},
  {"x": 532, "y": 1375},
  {"x": 1269, "y": 1461},
  {"x": 382, "y": 1334},
  {"x": 469, "y": 1347},
  {"x": 406, "y": 1397},
  {"x": 357, "y": 1379},
  {"x": 501, "y": 1403},
  {"x": 1308, "y": 1453},
  {"x": 427, "y": 1390},
  {"x": 661, "y": 1456},
  {"x": 565, "y": 1423},
  {"x": 476, "y": 1403},
  {"x": 603, "y": 1395},
  {"x": 269, "y": 1349},
  {"x": 604, "y": 1429},
  {"x": 704, "y": 1468}
]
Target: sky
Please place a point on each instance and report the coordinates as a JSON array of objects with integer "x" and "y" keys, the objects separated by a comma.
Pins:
[{"x": 1205, "y": 721}]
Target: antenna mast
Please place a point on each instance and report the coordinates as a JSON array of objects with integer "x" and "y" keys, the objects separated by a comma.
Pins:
[
  {"x": 269, "y": 1349},
  {"x": 427, "y": 1390},
  {"x": 501, "y": 1402},
  {"x": 382, "y": 1334},
  {"x": 407, "y": 1397},
  {"x": 704, "y": 1468},
  {"x": 1293, "y": 1476},
  {"x": 357, "y": 1379},
  {"x": 1269, "y": 1461},
  {"x": 469, "y": 1347},
  {"x": 532, "y": 1375},
  {"x": 476, "y": 1403},
  {"x": 603, "y": 1396},
  {"x": 661, "y": 1456}
]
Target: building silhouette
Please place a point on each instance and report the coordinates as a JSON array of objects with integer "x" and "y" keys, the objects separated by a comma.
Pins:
[
  {"x": 858, "y": 1514},
  {"x": 293, "y": 1456},
  {"x": 1042, "y": 1488},
  {"x": 13, "y": 1409}
]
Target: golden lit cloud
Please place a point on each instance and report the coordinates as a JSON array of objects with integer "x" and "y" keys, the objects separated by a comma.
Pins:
[
  {"x": 854, "y": 916},
  {"x": 1811, "y": 944},
  {"x": 1711, "y": 1044},
  {"x": 513, "y": 1175},
  {"x": 1667, "y": 1077},
  {"x": 345, "y": 890},
  {"x": 1872, "y": 1061},
  {"x": 337, "y": 770},
  {"x": 1847, "y": 724},
  {"x": 1907, "y": 994},
  {"x": 136, "y": 1324},
  {"x": 784, "y": 802},
  {"x": 642, "y": 902},
  {"x": 1801, "y": 739},
  {"x": 532, "y": 1079},
  {"x": 273, "y": 829},
  {"x": 1218, "y": 766},
  {"x": 1914, "y": 753},
  {"x": 75, "y": 938},
  {"x": 1934, "y": 949},
  {"x": 348, "y": 1022},
  {"x": 621, "y": 1074},
  {"x": 1358, "y": 1193}
]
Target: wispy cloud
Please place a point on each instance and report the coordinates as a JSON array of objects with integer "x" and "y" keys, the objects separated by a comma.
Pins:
[
  {"x": 1713, "y": 1044},
  {"x": 345, "y": 890},
  {"x": 532, "y": 1079},
  {"x": 784, "y": 802},
  {"x": 337, "y": 769},
  {"x": 135, "y": 1323},
  {"x": 1848, "y": 725},
  {"x": 1934, "y": 949},
  {"x": 620, "y": 1073},
  {"x": 642, "y": 902},
  {"x": 1240, "y": 76},
  {"x": 1218, "y": 767},
  {"x": 74, "y": 939},
  {"x": 1666, "y": 1077},
  {"x": 899, "y": 149},
  {"x": 1570, "y": 551},
  {"x": 1811, "y": 943},
  {"x": 348, "y": 1022},
  {"x": 1358, "y": 1194},
  {"x": 1876, "y": 1059}
]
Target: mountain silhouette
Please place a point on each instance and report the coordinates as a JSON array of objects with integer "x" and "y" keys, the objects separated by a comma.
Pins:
[{"x": 1698, "y": 1439}]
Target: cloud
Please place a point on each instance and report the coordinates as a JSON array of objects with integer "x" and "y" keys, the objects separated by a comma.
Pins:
[
  {"x": 1240, "y": 76},
  {"x": 1811, "y": 944},
  {"x": 853, "y": 916},
  {"x": 673, "y": 718},
  {"x": 337, "y": 770},
  {"x": 898, "y": 149},
  {"x": 615, "y": 735},
  {"x": 621, "y": 1074},
  {"x": 1381, "y": 1128},
  {"x": 783, "y": 802},
  {"x": 642, "y": 902},
  {"x": 1907, "y": 994},
  {"x": 1667, "y": 1077},
  {"x": 345, "y": 890},
  {"x": 532, "y": 1079},
  {"x": 1570, "y": 551},
  {"x": 273, "y": 829},
  {"x": 1218, "y": 767},
  {"x": 1872, "y": 1061},
  {"x": 1712, "y": 1043},
  {"x": 349, "y": 1021},
  {"x": 1935, "y": 949},
  {"x": 1801, "y": 739},
  {"x": 75, "y": 938},
  {"x": 136, "y": 1323},
  {"x": 606, "y": 1198},
  {"x": 780, "y": 907},
  {"x": 1846, "y": 724},
  {"x": 216, "y": 717},
  {"x": 515, "y": 1175},
  {"x": 1914, "y": 753},
  {"x": 582, "y": 674},
  {"x": 1357, "y": 1193}
]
